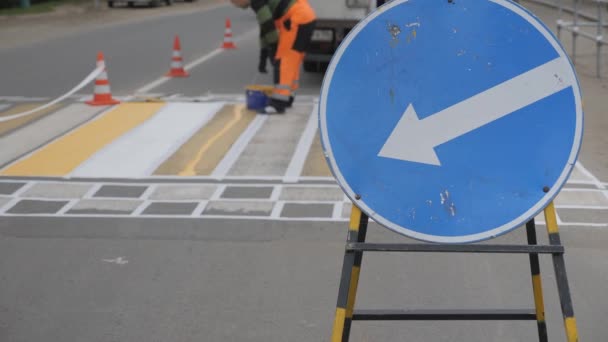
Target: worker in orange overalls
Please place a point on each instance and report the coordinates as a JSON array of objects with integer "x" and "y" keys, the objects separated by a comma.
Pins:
[{"x": 286, "y": 28}]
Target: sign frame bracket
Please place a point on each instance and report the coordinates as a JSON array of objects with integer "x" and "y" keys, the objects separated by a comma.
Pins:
[{"x": 356, "y": 246}]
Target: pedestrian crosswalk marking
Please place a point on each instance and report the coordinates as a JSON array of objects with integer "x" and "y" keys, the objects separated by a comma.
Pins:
[
  {"x": 139, "y": 152},
  {"x": 62, "y": 156},
  {"x": 238, "y": 115},
  {"x": 13, "y": 124}
]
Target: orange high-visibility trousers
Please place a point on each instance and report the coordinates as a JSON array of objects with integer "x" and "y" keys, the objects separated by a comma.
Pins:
[{"x": 295, "y": 31}]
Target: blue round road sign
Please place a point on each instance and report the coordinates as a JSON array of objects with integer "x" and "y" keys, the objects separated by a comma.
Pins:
[{"x": 451, "y": 122}]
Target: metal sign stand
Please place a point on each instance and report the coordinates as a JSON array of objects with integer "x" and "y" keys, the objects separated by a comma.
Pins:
[{"x": 351, "y": 267}]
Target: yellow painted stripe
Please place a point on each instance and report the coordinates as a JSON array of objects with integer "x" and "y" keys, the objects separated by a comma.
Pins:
[
  {"x": 538, "y": 297},
  {"x": 201, "y": 154},
  {"x": 338, "y": 329},
  {"x": 10, "y": 125},
  {"x": 571, "y": 330},
  {"x": 551, "y": 219},
  {"x": 355, "y": 218},
  {"x": 189, "y": 170},
  {"x": 62, "y": 156},
  {"x": 352, "y": 291},
  {"x": 315, "y": 164}
]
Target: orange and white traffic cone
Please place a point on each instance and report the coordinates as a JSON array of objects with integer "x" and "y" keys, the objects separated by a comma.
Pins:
[
  {"x": 228, "y": 42},
  {"x": 177, "y": 68},
  {"x": 102, "y": 96}
]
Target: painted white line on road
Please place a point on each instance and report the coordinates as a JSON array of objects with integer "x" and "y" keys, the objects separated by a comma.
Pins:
[
  {"x": 337, "y": 213},
  {"x": 80, "y": 85},
  {"x": 581, "y": 190},
  {"x": 580, "y": 182},
  {"x": 582, "y": 224},
  {"x": 8, "y": 205},
  {"x": 206, "y": 216},
  {"x": 92, "y": 191},
  {"x": 276, "y": 192},
  {"x": 198, "y": 211},
  {"x": 598, "y": 183},
  {"x": 58, "y": 137},
  {"x": 138, "y": 153},
  {"x": 68, "y": 206},
  {"x": 193, "y": 64},
  {"x": 24, "y": 188},
  {"x": 140, "y": 208},
  {"x": 119, "y": 261},
  {"x": 294, "y": 170},
  {"x": 218, "y": 192},
  {"x": 222, "y": 169},
  {"x": 277, "y": 210},
  {"x": 587, "y": 173},
  {"x": 240, "y": 178},
  {"x": 148, "y": 192},
  {"x": 584, "y": 207},
  {"x": 39, "y": 132}
]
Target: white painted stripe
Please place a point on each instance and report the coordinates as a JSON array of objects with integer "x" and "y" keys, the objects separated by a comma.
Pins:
[
  {"x": 192, "y": 65},
  {"x": 9, "y": 205},
  {"x": 220, "y": 217},
  {"x": 276, "y": 211},
  {"x": 337, "y": 213},
  {"x": 221, "y": 170},
  {"x": 294, "y": 170},
  {"x": 587, "y": 173},
  {"x": 218, "y": 192},
  {"x": 580, "y": 182},
  {"x": 130, "y": 199},
  {"x": 81, "y": 85},
  {"x": 276, "y": 193},
  {"x": 97, "y": 185},
  {"x": 68, "y": 206},
  {"x": 23, "y": 189},
  {"x": 149, "y": 191},
  {"x": 140, "y": 208},
  {"x": 198, "y": 211},
  {"x": 92, "y": 191},
  {"x": 140, "y": 151},
  {"x": 584, "y": 207},
  {"x": 583, "y": 224},
  {"x": 580, "y": 190}
]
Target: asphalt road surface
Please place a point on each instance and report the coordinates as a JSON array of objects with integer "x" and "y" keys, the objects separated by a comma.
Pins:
[{"x": 180, "y": 216}]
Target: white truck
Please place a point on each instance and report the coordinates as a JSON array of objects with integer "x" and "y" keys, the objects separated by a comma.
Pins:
[{"x": 335, "y": 18}]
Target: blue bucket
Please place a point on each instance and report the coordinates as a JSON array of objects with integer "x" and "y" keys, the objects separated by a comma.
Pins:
[{"x": 256, "y": 98}]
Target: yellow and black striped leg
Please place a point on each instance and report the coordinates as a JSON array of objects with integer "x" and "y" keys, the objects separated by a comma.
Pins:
[
  {"x": 350, "y": 278},
  {"x": 560, "y": 276},
  {"x": 537, "y": 284}
]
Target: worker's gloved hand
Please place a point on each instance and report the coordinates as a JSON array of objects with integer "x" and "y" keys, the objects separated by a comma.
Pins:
[{"x": 264, "y": 54}]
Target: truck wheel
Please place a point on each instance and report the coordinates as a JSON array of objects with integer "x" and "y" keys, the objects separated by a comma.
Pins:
[
  {"x": 131, "y": 4},
  {"x": 169, "y": 2},
  {"x": 111, "y": 4},
  {"x": 154, "y": 3},
  {"x": 311, "y": 67}
]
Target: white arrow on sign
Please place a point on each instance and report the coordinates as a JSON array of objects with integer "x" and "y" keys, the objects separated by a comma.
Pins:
[{"x": 415, "y": 140}]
